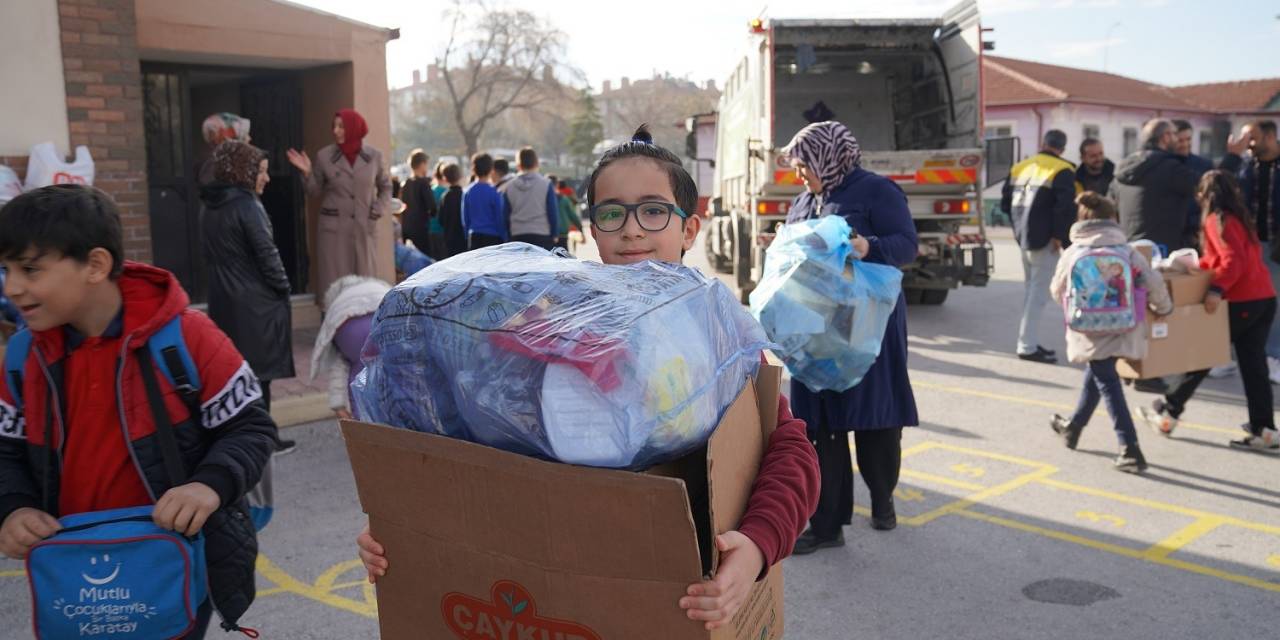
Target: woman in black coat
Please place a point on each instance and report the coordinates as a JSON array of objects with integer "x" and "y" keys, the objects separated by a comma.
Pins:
[{"x": 248, "y": 288}]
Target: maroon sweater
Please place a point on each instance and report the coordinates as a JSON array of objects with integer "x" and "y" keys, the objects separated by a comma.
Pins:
[{"x": 785, "y": 492}]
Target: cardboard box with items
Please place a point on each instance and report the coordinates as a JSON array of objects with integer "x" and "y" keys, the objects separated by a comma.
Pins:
[
  {"x": 490, "y": 544},
  {"x": 1189, "y": 338}
]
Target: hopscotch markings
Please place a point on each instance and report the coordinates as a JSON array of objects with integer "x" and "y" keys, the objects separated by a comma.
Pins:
[
  {"x": 1092, "y": 516},
  {"x": 1183, "y": 537},
  {"x": 907, "y": 494},
  {"x": 322, "y": 590},
  {"x": 1274, "y": 560},
  {"x": 968, "y": 470},
  {"x": 916, "y": 383}
]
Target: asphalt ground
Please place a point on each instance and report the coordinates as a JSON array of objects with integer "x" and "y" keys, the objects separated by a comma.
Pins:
[{"x": 1003, "y": 532}]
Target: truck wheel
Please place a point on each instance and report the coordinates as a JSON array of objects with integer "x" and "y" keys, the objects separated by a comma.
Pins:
[
  {"x": 934, "y": 296},
  {"x": 913, "y": 295},
  {"x": 742, "y": 259},
  {"x": 718, "y": 262}
]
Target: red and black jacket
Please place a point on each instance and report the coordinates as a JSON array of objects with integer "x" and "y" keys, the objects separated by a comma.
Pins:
[{"x": 225, "y": 447}]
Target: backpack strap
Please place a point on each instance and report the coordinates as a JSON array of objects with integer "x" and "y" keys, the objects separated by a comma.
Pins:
[
  {"x": 173, "y": 464},
  {"x": 169, "y": 352},
  {"x": 15, "y": 362}
]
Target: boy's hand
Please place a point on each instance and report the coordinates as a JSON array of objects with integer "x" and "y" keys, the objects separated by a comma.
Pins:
[
  {"x": 23, "y": 528},
  {"x": 185, "y": 508},
  {"x": 716, "y": 601},
  {"x": 1211, "y": 302},
  {"x": 372, "y": 554}
]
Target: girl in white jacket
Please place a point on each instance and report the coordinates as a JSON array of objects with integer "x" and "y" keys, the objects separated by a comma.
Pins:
[
  {"x": 350, "y": 304},
  {"x": 1098, "y": 226}
]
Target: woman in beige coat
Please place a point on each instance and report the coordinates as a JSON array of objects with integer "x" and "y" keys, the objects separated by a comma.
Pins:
[
  {"x": 355, "y": 190},
  {"x": 1098, "y": 229}
]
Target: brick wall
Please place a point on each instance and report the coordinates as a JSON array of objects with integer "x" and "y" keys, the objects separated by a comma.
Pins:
[{"x": 104, "y": 106}]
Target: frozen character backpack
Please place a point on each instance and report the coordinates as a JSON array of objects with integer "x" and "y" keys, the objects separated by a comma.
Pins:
[{"x": 1102, "y": 298}]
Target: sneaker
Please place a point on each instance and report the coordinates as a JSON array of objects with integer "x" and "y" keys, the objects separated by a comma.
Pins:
[
  {"x": 1062, "y": 426},
  {"x": 1267, "y": 441},
  {"x": 808, "y": 543},
  {"x": 1131, "y": 460},
  {"x": 285, "y": 447},
  {"x": 1042, "y": 349},
  {"x": 1041, "y": 355},
  {"x": 1157, "y": 417},
  {"x": 1273, "y": 367},
  {"x": 1225, "y": 371}
]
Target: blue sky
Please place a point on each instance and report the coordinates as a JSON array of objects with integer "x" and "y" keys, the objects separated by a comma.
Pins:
[{"x": 1164, "y": 41}]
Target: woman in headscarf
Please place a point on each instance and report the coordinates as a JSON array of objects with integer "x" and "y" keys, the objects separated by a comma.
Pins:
[
  {"x": 827, "y": 158},
  {"x": 248, "y": 288},
  {"x": 219, "y": 128},
  {"x": 351, "y": 179}
]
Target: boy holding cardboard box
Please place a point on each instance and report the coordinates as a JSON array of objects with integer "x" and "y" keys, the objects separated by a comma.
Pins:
[
  {"x": 636, "y": 191},
  {"x": 1234, "y": 255}
]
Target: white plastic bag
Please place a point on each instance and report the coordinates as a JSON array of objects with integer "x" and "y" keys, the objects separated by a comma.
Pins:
[
  {"x": 10, "y": 185},
  {"x": 45, "y": 167}
]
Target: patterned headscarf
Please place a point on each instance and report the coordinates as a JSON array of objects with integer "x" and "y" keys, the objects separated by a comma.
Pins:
[
  {"x": 828, "y": 148},
  {"x": 236, "y": 163},
  {"x": 225, "y": 126}
]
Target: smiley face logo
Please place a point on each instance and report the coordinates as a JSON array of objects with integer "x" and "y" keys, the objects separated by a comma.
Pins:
[{"x": 105, "y": 562}]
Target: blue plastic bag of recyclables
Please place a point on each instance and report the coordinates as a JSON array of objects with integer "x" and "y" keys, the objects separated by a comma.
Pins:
[
  {"x": 545, "y": 355},
  {"x": 826, "y": 309}
]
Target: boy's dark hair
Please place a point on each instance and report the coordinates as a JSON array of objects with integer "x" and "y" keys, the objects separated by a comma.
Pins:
[
  {"x": 642, "y": 146},
  {"x": 1219, "y": 193},
  {"x": 560, "y": 184},
  {"x": 1088, "y": 142},
  {"x": 554, "y": 180},
  {"x": 1267, "y": 127},
  {"x": 1095, "y": 206},
  {"x": 528, "y": 159},
  {"x": 501, "y": 166},
  {"x": 439, "y": 173},
  {"x": 451, "y": 173},
  {"x": 417, "y": 158},
  {"x": 67, "y": 218},
  {"x": 1181, "y": 125},
  {"x": 482, "y": 164}
]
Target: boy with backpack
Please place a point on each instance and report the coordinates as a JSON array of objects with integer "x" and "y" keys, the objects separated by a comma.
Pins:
[
  {"x": 1105, "y": 286},
  {"x": 87, "y": 425}
]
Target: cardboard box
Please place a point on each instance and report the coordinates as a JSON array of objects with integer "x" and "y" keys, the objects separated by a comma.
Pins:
[
  {"x": 489, "y": 544},
  {"x": 1188, "y": 288},
  {"x": 1189, "y": 339}
]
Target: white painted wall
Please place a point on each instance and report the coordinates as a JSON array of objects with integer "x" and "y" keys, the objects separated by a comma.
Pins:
[{"x": 33, "y": 103}]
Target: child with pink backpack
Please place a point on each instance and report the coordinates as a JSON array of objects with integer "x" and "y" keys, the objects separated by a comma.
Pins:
[{"x": 1105, "y": 287}]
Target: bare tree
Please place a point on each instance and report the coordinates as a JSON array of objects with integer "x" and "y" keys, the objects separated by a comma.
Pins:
[{"x": 508, "y": 57}]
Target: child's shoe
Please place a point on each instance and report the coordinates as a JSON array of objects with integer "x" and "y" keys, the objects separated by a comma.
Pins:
[
  {"x": 1131, "y": 460},
  {"x": 1157, "y": 417},
  {"x": 1268, "y": 440},
  {"x": 1062, "y": 426}
]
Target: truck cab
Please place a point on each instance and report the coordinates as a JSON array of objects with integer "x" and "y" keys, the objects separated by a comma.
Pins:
[{"x": 909, "y": 89}]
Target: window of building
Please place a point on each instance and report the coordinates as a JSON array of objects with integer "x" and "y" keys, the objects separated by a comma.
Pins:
[
  {"x": 1091, "y": 131},
  {"x": 1130, "y": 140},
  {"x": 1206, "y": 144},
  {"x": 997, "y": 130}
]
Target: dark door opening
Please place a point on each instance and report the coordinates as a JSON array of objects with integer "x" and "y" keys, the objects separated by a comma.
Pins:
[{"x": 177, "y": 99}]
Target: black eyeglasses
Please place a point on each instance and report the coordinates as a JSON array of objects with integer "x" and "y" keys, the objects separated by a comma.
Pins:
[{"x": 651, "y": 216}]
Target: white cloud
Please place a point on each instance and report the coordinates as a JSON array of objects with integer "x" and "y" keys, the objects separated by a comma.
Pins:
[
  {"x": 1018, "y": 6},
  {"x": 1083, "y": 48}
]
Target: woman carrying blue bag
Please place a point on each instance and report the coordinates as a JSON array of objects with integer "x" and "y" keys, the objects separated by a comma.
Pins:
[{"x": 827, "y": 158}]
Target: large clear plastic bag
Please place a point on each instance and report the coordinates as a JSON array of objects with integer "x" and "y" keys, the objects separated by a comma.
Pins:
[
  {"x": 826, "y": 309},
  {"x": 541, "y": 354}
]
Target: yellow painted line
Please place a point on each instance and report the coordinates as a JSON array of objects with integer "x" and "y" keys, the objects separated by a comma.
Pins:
[
  {"x": 1046, "y": 404},
  {"x": 1025, "y": 462},
  {"x": 1160, "y": 506},
  {"x": 288, "y": 583},
  {"x": 1183, "y": 537},
  {"x": 976, "y": 498},
  {"x": 13, "y": 573},
  {"x": 950, "y": 482},
  {"x": 1136, "y": 554}
]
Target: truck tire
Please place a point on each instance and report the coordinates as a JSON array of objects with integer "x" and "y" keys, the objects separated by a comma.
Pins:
[
  {"x": 913, "y": 295},
  {"x": 934, "y": 297},
  {"x": 719, "y": 263}
]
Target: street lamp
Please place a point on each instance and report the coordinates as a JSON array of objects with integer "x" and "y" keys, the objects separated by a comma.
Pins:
[{"x": 1106, "y": 48}]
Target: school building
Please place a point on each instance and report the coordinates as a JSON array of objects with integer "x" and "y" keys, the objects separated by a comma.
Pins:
[{"x": 133, "y": 80}]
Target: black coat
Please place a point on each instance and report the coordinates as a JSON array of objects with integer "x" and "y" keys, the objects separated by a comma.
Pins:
[
  {"x": 1153, "y": 189},
  {"x": 1099, "y": 184},
  {"x": 248, "y": 287},
  {"x": 455, "y": 237},
  {"x": 419, "y": 210}
]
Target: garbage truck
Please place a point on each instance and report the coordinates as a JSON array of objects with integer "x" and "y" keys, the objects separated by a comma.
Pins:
[{"x": 909, "y": 89}]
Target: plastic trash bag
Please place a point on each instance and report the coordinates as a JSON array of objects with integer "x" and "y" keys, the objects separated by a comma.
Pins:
[
  {"x": 541, "y": 354},
  {"x": 46, "y": 167},
  {"x": 10, "y": 185},
  {"x": 826, "y": 309}
]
